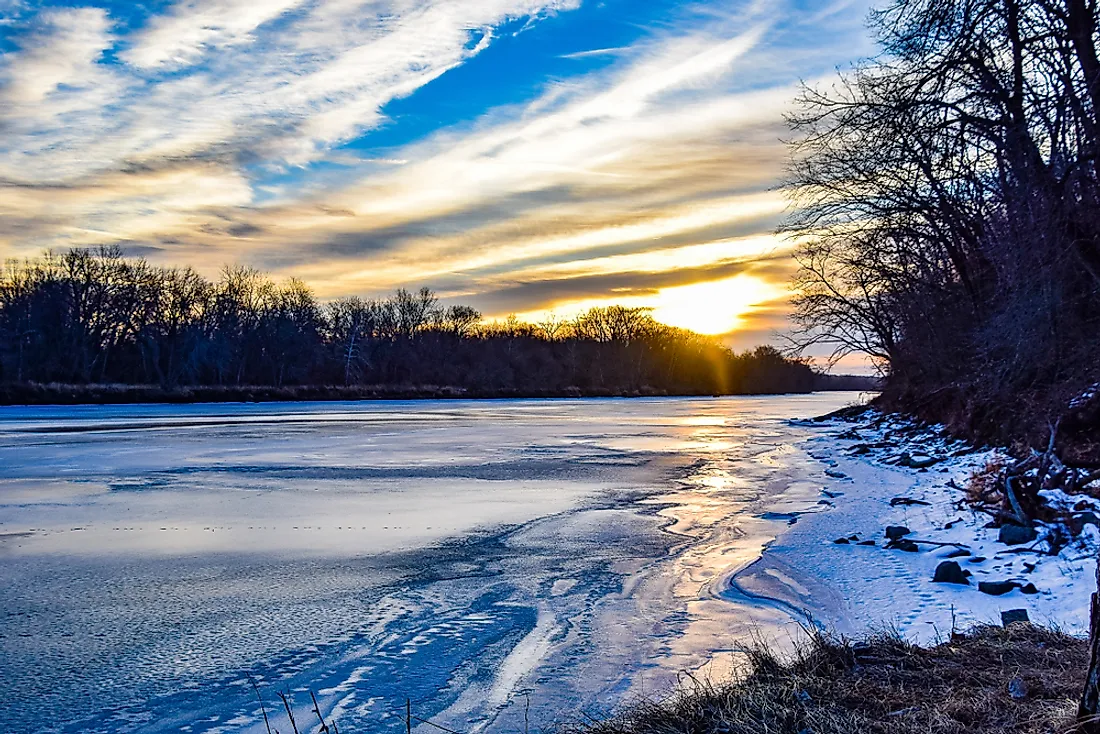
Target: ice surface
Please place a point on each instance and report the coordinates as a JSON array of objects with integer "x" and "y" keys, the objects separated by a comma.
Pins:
[{"x": 153, "y": 558}]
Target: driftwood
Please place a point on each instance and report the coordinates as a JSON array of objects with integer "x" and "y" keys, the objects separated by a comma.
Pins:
[{"x": 1020, "y": 502}]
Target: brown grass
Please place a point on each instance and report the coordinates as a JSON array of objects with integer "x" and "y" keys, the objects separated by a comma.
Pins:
[
  {"x": 883, "y": 685},
  {"x": 987, "y": 484}
]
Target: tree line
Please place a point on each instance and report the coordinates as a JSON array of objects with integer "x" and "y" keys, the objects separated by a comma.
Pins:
[
  {"x": 86, "y": 317},
  {"x": 948, "y": 209}
]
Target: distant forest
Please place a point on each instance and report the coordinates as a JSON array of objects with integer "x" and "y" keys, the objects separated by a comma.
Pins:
[
  {"x": 96, "y": 317},
  {"x": 948, "y": 201}
]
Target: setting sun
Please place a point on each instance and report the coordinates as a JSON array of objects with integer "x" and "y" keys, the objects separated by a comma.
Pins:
[{"x": 716, "y": 307}]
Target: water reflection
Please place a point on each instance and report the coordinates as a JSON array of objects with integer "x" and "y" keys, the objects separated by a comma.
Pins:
[{"x": 156, "y": 556}]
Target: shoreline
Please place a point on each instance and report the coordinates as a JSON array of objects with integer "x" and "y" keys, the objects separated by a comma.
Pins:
[
  {"x": 818, "y": 568},
  {"x": 35, "y": 394}
]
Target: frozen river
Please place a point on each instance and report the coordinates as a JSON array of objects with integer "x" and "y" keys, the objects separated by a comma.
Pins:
[{"x": 469, "y": 556}]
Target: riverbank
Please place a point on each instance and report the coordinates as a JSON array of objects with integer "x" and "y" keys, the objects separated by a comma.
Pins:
[
  {"x": 120, "y": 394},
  {"x": 923, "y": 616},
  {"x": 1020, "y": 680},
  {"x": 894, "y": 508}
]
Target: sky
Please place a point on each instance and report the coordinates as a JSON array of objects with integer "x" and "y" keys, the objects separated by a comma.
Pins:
[{"x": 528, "y": 157}]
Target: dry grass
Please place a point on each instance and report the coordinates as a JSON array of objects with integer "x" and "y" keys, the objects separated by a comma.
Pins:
[
  {"x": 884, "y": 685},
  {"x": 986, "y": 484}
]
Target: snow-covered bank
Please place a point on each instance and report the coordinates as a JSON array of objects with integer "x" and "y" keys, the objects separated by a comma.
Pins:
[{"x": 875, "y": 476}]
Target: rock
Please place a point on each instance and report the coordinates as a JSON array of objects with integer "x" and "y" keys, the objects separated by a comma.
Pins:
[
  {"x": 866, "y": 542},
  {"x": 1016, "y": 535},
  {"x": 895, "y": 532},
  {"x": 908, "y": 502},
  {"x": 901, "y": 459},
  {"x": 904, "y": 545},
  {"x": 1078, "y": 521},
  {"x": 835, "y": 474},
  {"x": 996, "y": 588},
  {"x": 842, "y": 541},
  {"x": 853, "y": 538},
  {"x": 977, "y": 559},
  {"x": 950, "y": 572},
  {"x": 958, "y": 553},
  {"x": 1028, "y": 588},
  {"x": 1014, "y": 615},
  {"x": 921, "y": 461},
  {"x": 831, "y": 495},
  {"x": 1017, "y": 688}
]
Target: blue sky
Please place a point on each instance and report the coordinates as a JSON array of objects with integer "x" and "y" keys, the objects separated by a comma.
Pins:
[{"x": 523, "y": 156}]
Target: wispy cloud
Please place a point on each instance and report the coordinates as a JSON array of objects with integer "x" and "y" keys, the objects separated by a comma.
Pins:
[{"x": 611, "y": 51}]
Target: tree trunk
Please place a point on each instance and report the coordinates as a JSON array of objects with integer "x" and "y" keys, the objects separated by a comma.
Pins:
[{"x": 1088, "y": 713}]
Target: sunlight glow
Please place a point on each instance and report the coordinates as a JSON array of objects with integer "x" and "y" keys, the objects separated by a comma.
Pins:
[
  {"x": 717, "y": 307},
  {"x": 713, "y": 308}
]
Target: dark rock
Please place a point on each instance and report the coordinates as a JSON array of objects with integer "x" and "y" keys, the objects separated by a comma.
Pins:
[
  {"x": 996, "y": 588},
  {"x": 958, "y": 553},
  {"x": 1014, "y": 615},
  {"x": 966, "y": 572},
  {"x": 895, "y": 532},
  {"x": 1078, "y": 521},
  {"x": 835, "y": 474},
  {"x": 831, "y": 495},
  {"x": 842, "y": 541},
  {"x": 866, "y": 542},
  {"x": 908, "y": 502},
  {"x": 1017, "y": 535},
  {"x": 904, "y": 545},
  {"x": 977, "y": 559},
  {"x": 853, "y": 538},
  {"x": 1028, "y": 588},
  {"x": 950, "y": 572}
]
